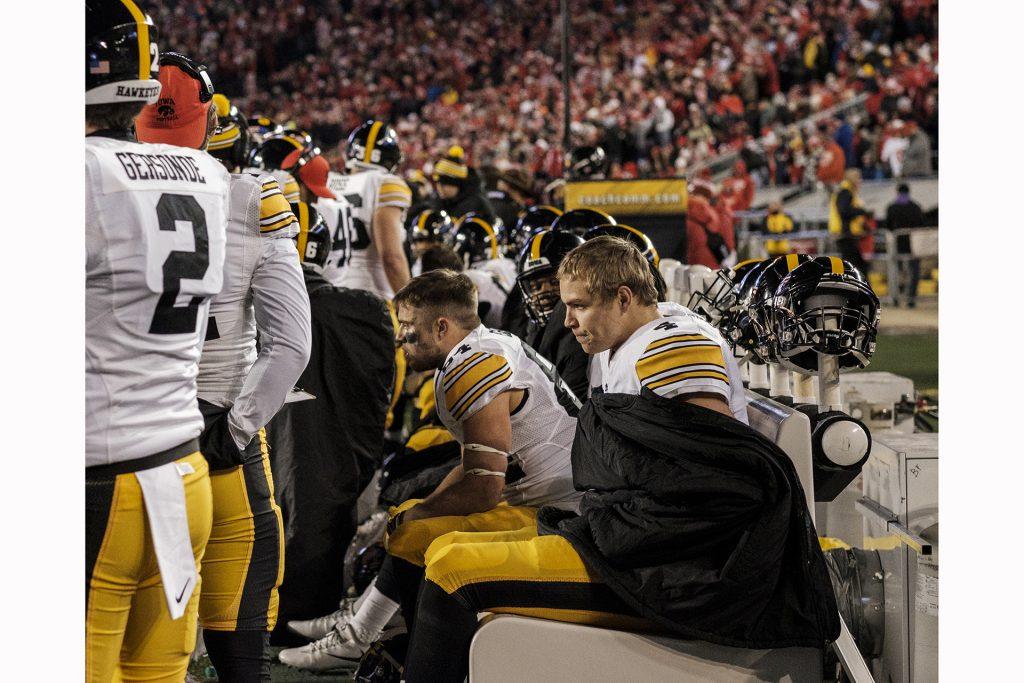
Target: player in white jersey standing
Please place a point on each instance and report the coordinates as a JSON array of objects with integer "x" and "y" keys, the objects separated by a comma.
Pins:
[
  {"x": 155, "y": 233},
  {"x": 515, "y": 420},
  {"x": 239, "y": 391},
  {"x": 375, "y": 258}
]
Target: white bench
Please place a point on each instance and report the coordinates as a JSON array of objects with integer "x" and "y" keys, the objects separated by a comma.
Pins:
[{"x": 508, "y": 648}]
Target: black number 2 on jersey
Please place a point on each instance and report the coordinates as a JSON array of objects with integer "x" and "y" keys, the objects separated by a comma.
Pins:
[{"x": 180, "y": 265}]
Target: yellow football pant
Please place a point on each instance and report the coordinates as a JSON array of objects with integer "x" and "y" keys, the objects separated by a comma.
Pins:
[
  {"x": 244, "y": 562},
  {"x": 519, "y": 572},
  {"x": 129, "y": 634},
  {"x": 411, "y": 539}
]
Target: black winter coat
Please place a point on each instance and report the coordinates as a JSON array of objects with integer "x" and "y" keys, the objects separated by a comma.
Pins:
[
  {"x": 698, "y": 522},
  {"x": 557, "y": 343}
]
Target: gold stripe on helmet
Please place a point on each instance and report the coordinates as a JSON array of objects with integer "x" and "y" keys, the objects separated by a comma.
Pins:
[
  {"x": 792, "y": 261},
  {"x": 303, "y": 230},
  {"x": 371, "y": 140},
  {"x": 490, "y": 233},
  {"x": 422, "y": 222},
  {"x": 142, "y": 30},
  {"x": 535, "y": 247},
  {"x": 837, "y": 265}
]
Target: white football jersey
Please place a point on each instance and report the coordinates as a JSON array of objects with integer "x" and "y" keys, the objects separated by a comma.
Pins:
[
  {"x": 365, "y": 191},
  {"x": 488, "y": 292},
  {"x": 489, "y": 362},
  {"x": 502, "y": 268},
  {"x": 155, "y": 225},
  {"x": 258, "y": 212},
  {"x": 337, "y": 214},
  {"x": 680, "y": 353}
]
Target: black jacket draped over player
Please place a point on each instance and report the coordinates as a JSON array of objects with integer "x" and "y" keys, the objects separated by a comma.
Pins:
[
  {"x": 324, "y": 451},
  {"x": 697, "y": 522}
]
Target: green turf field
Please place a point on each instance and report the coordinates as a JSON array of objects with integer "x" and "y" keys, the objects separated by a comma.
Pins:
[{"x": 911, "y": 355}]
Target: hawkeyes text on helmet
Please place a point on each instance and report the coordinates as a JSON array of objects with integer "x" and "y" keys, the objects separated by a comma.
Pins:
[
  {"x": 121, "y": 55},
  {"x": 374, "y": 143}
]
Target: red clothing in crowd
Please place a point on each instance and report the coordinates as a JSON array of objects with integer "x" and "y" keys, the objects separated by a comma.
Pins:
[
  {"x": 725, "y": 223},
  {"x": 832, "y": 163},
  {"x": 738, "y": 189},
  {"x": 700, "y": 215}
]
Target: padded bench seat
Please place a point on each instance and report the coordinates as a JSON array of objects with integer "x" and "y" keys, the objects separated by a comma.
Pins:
[{"x": 510, "y": 649}]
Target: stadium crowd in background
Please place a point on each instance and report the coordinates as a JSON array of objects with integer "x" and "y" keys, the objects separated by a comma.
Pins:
[{"x": 700, "y": 80}]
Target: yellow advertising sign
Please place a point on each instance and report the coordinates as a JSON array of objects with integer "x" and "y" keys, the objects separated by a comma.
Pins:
[{"x": 628, "y": 197}]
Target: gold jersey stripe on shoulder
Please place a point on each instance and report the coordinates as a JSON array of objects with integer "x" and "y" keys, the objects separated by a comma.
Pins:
[
  {"x": 398, "y": 187},
  {"x": 689, "y": 375},
  {"x": 450, "y": 376},
  {"x": 472, "y": 378},
  {"x": 489, "y": 384},
  {"x": 664, "y": 341},
  {"x": 677, "y": 359}
]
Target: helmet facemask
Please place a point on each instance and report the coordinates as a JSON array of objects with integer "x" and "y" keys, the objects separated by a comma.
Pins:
[
  {"x": 540, "y": 293},
  {"x": 714, "y": 297},
  {"x": 836, "y": 318}
]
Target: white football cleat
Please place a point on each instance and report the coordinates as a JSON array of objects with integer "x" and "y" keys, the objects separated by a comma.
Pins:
[
  {"x": 315, "y": 629},
  {"x": 339, "y": 649}
]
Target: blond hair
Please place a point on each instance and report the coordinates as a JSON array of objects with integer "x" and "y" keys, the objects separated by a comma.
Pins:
[{"x": 606, "y": 263}]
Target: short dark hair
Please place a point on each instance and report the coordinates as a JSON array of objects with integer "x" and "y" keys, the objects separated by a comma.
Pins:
[
  {"x": 441, "y": 256},
  {"x": 903, "y": 188},
  {"x": 113, "y": 115},
  {"x": 442, "y": 293}
]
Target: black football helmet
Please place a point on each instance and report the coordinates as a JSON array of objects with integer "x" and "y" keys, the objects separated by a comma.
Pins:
[
  {"x": 275, "y": 148},
  {"x": 587, "y": 162},
  {"x": 825, "y": 306},
  {"x": 630, "y": 234},
  {"x": 431, "y": 225},
  {"x": 260, "y": 127},
  {"x": 121, "y": 54},
  {"x": 474, "y": 239},
  {"x": 230, "y": 142},
  {"x": 314, "y": 239},
  {"x": 384, "y": 662},
  {"x": 757, "y": 329},
  {"x": 735, "y": 325},
  {"x": 715, "y": 298},
  {"x": 578, "y": 221},
  {"x": 530, "y": 219},
  {"x": 373, "y": 144},
  {"x": 540, "y": 257}
]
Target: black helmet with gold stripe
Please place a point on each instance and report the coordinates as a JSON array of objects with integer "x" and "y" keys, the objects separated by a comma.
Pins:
[
  {"x": 373, "y": 143},
  {"x": 475, "y": 239},
  {"x": 120, "y": 53},
  {"x": 755, "y": 328},
  {"x": 271, "y": 153},
  {"x": 578, "y": 221},
  {"x": 631, "y": 235},
  {"x": 313, "y": 240},
  {"x": 431, "y": 225},
  {"x": 538, "y": 262},
  {"x": 261, "y": 126},
  {"x": 825, "y": 306}
]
